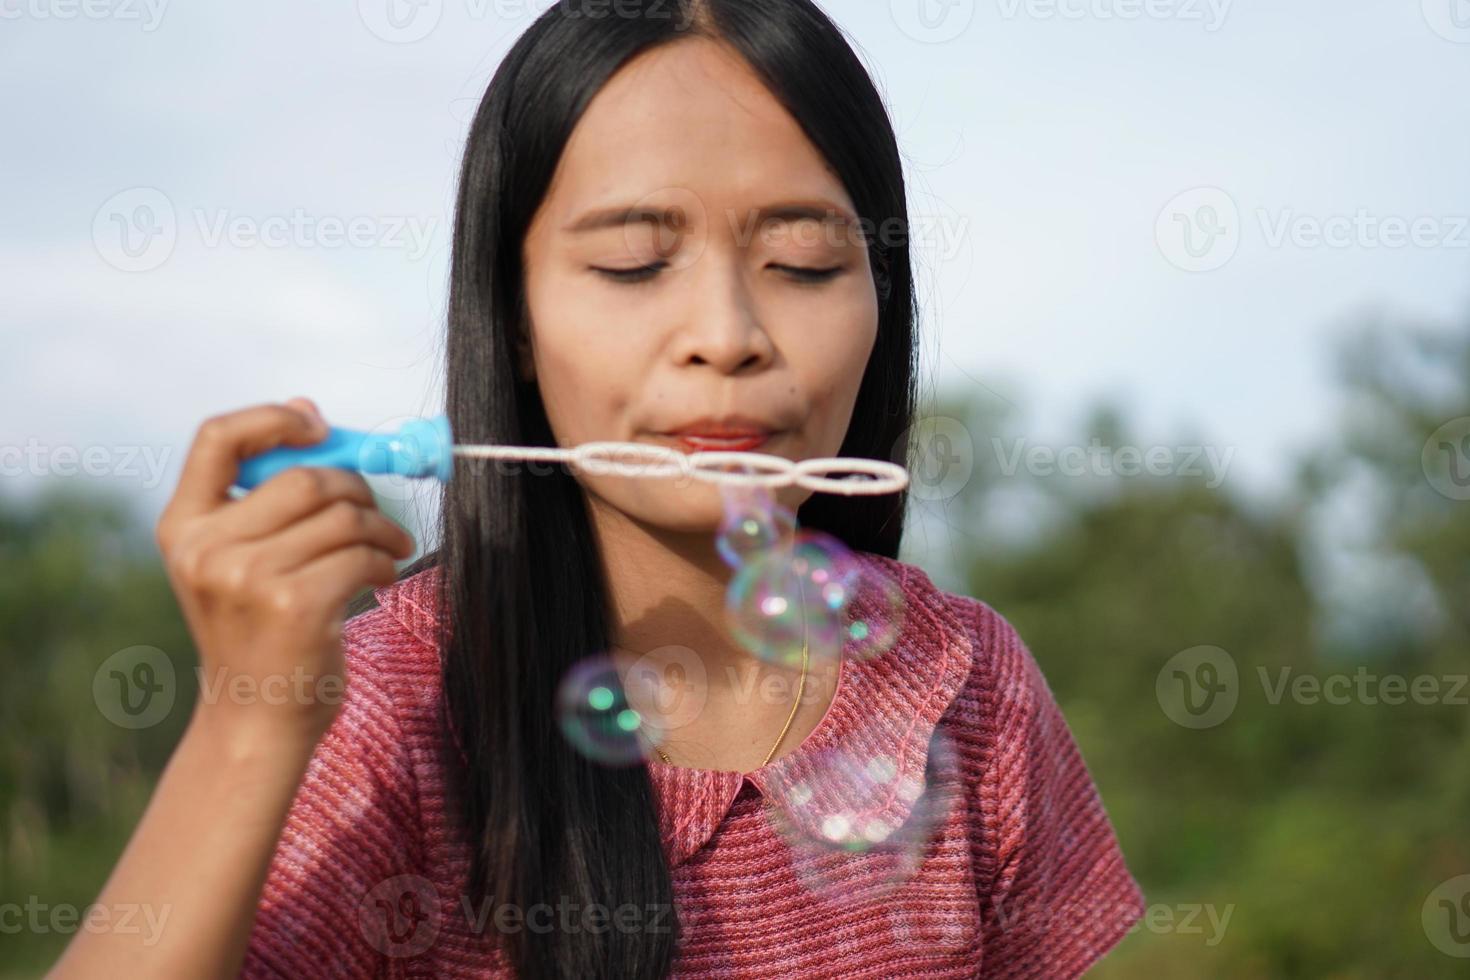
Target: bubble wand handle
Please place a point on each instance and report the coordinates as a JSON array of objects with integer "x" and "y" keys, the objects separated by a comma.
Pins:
[{"x": 420, "y": 447}]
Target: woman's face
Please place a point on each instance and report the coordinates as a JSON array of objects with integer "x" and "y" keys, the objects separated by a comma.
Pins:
[{"x": 755, "y": 301}]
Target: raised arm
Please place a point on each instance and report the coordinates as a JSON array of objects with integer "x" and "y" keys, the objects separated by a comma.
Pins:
[{"x": 263, "y": 583}]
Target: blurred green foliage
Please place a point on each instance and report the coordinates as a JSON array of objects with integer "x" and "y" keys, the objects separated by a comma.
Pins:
[
  {"x": 1321, "y": 827},
  {"x": 1318, "y": 828}
]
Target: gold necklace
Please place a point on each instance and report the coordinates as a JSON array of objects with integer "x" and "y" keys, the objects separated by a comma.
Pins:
[{"x": 800, "y": 686}]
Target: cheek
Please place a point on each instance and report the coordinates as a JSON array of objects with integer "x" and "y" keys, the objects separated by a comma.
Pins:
[
  {"x": 829, "y": 354},
  {"x": 585, "y": 369}
]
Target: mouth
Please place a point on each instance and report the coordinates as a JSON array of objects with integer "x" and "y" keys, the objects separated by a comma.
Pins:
[
  {"x": 689, "y": 442},
  {"x": 728, "y": 435}
]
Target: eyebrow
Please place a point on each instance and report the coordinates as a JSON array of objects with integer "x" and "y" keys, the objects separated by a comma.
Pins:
[{"x": 620, "y": 216}]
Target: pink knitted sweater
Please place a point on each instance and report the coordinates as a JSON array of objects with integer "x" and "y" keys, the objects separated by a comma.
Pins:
[{"x": 992, "y": 854}]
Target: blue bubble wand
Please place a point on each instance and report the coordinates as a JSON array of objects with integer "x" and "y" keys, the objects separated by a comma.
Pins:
[{"x": 426, "y": 448}]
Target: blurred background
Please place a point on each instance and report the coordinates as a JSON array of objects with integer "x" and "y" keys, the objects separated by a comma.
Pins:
[{"x": 1195, "y": 278}]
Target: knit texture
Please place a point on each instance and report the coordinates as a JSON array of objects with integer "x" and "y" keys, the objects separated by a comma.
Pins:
[{"x": 986, "y": 848}]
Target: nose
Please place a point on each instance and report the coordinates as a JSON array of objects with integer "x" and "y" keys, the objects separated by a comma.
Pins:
[{"x": 722, "y": 328}]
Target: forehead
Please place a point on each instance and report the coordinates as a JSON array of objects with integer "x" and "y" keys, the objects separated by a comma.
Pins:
[{"x": 689, "y": 116}]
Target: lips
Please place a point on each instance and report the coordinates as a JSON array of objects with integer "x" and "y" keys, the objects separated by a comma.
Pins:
[
  {"x": 691, "y": 443},
  {"x": 720, "y": 435}
]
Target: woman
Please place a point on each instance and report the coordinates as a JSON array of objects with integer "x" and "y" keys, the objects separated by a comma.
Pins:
[{"x": 677, "y": 224}]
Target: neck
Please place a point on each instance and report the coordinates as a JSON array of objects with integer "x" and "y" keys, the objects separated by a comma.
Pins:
[
  {"x": 667, "y": 590},
  {"x": 719, "y": 706}
]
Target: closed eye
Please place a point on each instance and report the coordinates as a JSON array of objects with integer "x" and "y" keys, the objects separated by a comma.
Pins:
[
  {"x": 637, "y": 274},
  {"x": 810, "y": 275},
  {"x": 643, "y": 273}
]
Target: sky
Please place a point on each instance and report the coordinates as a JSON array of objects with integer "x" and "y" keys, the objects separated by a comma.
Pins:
[{"x": 1176, "y": 204}]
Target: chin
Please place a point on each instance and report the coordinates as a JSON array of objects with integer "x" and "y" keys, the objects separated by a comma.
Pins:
[{"x": 678, "y": 504}]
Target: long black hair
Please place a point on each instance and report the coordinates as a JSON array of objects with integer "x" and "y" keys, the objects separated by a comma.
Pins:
[{"x": 521, "y": 581}]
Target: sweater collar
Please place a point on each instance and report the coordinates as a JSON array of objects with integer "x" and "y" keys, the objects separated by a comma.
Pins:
[{"x": 866, "y": 758}]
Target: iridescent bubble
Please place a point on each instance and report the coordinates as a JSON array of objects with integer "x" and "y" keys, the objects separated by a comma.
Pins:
[
  {"x": 860, "y": 827},
  {"x": 776, "y": 603},
  {"x": 828, "y": 565},
  {"x": 593, "y": 713},
  {"x": 753, "y": 522},
  {"x": 875, "y": 616}
]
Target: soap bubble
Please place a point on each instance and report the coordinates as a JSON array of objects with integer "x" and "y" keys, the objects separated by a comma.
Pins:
[
  {"x": 875, "y": 617},
  {"x": 859, "y": 826},
  {"x": 829, "y": 565},
  {"x": 752, "y": 523},
  {"x": 593, "y": 712},
  {"x": 820, "y": 583},
  {"x": 869, "y": 600},
  {"x": 785, "y": 597}
]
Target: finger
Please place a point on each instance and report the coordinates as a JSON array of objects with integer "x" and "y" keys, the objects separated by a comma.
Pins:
[
  {"x": 304, "y": 404},
  {"x": 222, "y": 441},
  {"x": 337, "y": 576},
  {"x": 288, "y": 497},
  {"x": 332, "y": 528}
]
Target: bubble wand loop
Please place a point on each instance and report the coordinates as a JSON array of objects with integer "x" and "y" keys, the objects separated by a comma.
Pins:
[{"x": 425, "y": 448}]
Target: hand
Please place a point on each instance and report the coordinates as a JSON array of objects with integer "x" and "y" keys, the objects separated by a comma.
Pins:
[{"x": 263, "y": 581}]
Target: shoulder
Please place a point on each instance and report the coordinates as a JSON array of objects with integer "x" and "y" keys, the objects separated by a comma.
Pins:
[
  {"x": 391, "y": 651},
  {"x": 1058, "y": 893},
  {"x": 1003, "y": 681},
  {"x": 1003, "y": 720},
  {"x": 1007, "y": 710},
  {"x": 1006, "y": 674}
]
